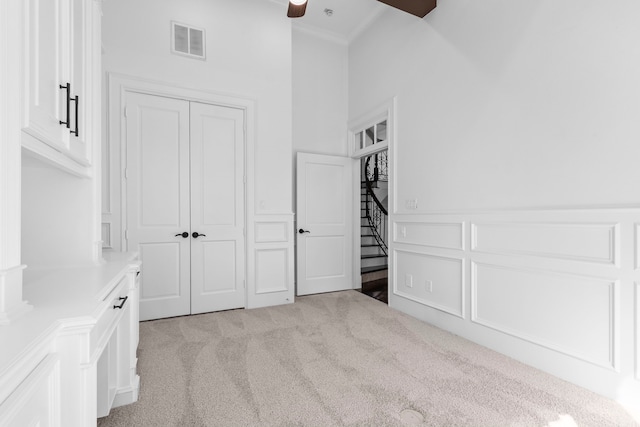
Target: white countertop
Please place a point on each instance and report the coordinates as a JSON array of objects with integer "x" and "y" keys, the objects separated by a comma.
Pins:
[{"x": 58, "y": 294}]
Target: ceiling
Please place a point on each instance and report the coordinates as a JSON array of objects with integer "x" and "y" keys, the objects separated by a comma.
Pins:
[{"x": 349, "y": 17}]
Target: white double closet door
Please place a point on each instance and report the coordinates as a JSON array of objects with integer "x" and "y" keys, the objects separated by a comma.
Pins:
[{"x": 185, "y": 204}]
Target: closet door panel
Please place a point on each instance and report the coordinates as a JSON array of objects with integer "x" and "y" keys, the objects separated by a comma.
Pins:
[
  {"x": 157, "y": 182},
  {"x": 217, "y": 208}
]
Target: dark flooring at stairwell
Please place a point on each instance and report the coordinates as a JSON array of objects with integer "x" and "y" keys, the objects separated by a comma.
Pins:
[{"x": 377, "y": 289}]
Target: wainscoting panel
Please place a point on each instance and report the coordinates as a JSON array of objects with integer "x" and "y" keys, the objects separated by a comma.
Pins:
[
  {"x": 567, "y": 313},
  {"x": 437, "y": 235},
  {"x": 558, "y": 289},
  {"x": 272, "y": 269},
  {"x": 435, "y": 281},
  {"x": 594, "y": 243},
  {"x": 636, "y": 245},
  {"x": 637, "y": 329},
  {"x": 271, "y": 231}
]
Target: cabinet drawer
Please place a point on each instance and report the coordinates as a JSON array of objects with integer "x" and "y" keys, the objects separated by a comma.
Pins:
[{"x": 111, "y": 310}]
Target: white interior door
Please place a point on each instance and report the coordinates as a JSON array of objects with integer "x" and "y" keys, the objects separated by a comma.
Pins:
[
  {"x": 324, "y": 222},
  {"x": 217, "y": 208},
  {"x": 157, "y": 174}
]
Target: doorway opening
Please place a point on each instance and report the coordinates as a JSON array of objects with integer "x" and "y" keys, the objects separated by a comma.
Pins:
[
  {"x": 374, "y": 208},
  {"x": 372, "y": 137}
]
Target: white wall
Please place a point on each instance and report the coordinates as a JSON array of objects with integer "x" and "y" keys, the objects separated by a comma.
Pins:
[
  {"x": 57, "y": 217},
  {"x": 248, "y": 55},
  {"x": 517, "y": 131},
  {"x": 320, "y": 95},
  {"x": 508, "y": 104}
]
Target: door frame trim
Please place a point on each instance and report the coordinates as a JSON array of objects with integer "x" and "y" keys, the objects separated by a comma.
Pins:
[{"x": 114, "y": 148}]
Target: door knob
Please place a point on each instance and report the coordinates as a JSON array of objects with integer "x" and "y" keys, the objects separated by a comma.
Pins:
[
  {"x": 301, "y": 231},
  {"x": 196, "y": 235},
  {"x": 183, "y": 234}
]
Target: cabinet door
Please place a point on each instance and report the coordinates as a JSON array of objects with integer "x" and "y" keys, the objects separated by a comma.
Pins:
[
  {"x": 47, "y": 41},
  {"x": 78, "y": 64},
  {"x": 36, "y": 402}
]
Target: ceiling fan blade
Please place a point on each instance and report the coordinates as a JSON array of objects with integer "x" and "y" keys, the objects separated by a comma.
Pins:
[
  {"x": 418, "y": 8},
  {"x": 296, "y": 11}
]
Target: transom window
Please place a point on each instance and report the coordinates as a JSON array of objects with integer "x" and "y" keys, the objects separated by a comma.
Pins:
[{"x": 375, "y": 134}]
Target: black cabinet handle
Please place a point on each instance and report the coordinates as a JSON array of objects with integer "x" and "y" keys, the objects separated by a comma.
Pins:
[
  {"x": 68, "y": 89},
  {"x": 183, "y": 234},
  {"x": 301, "y": 231},
  {"x": 123, "y": 299},
  {"x": 196, "y": 235},
  {"x": 75, "y": 132}
]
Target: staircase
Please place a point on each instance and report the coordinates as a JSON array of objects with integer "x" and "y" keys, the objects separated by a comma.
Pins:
[{"x": 373, "y": 218}]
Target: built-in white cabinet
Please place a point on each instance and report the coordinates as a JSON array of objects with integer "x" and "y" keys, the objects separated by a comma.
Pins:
[
  {"x": 72, "y": 358},
  {"x": 68, "y": 314},
  {"x": 60, "y": 41},
  {"x": 36, "y": 401},
  {"x": 117, "y": 379}
]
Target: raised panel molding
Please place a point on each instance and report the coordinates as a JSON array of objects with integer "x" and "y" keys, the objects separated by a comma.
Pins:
[
  {"x": 594, "y": 243},
  {"x": 271, "y": 231},
  {"x": 636, "y": 319},
  {"x": 272, "y": 270},
  {"x": 37, "y": 400},
  {"x": 571, "y": 314},
  {"x": 106, "y": 235},
  {"x": 442, "y": 235},
  {"x": 637, "y": 245},
  {"x": 432, "y": 280}
]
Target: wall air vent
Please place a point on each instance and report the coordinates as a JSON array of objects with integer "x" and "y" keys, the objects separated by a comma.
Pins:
[{"x": 187, "y": 40}]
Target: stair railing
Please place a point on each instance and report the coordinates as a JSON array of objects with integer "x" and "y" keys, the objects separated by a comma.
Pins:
[{"x": 375, "y": 212}]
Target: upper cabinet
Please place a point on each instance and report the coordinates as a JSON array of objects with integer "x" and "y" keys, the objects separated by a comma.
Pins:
[{"x": 57, "y": 110}]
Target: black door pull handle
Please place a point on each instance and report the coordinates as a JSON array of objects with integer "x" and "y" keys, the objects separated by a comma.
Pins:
[
  {"x": 196, "y": 235},
  {"x": 123, "y": 299},
  {"x": 75, "y": 132},
  {"x": 68, "y": 89},
  {"x": 301, "y": 231},
  {"x": 183, "y": 234}
]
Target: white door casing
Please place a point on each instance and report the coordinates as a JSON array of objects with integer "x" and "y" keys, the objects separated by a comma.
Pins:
[
  {"x": 217, "y": 208},
  {"x": 324, "y": 223},
  {"x": 157, "y": 179}
]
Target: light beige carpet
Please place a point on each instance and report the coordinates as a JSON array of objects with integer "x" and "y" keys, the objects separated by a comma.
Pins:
[{"x": 340, "y": 359}]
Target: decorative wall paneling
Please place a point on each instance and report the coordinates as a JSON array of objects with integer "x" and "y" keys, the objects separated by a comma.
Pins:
[
  {"x": 271, "y": 281},
  {"x": 567, "y": 313},
  {"x": 637, "y": 330},
  {"x": 557, "y": 289},
  {"x": 579, "y": 242},
  {"x": 435, "y": 281},
  {"x": 436, "y": 235},
  {"x": 106, "y": 235},
  {"x": 637, "y": 246}
]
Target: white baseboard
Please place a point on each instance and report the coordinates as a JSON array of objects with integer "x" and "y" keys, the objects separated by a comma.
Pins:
[{"x": 127, "y": 395}]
